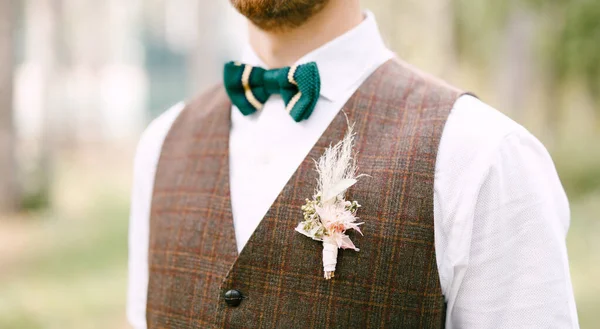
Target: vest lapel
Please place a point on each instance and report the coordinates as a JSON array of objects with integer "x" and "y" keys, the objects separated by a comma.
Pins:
[
  {"x": 192, "y": 246},
  {"x": 282, "y": 218}
]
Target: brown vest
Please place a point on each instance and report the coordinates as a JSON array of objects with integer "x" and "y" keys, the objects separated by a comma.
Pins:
[{"x": 392, "y": 282}]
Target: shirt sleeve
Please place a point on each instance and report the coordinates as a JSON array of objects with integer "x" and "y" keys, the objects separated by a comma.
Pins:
[
  {"x": 146, "y": 160},
  {"x": 517, "y": 271}
]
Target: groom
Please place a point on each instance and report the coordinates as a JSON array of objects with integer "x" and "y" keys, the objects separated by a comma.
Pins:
[{"x": 464, "y": 216}]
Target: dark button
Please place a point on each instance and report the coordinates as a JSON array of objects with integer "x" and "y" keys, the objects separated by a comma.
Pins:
[{"x": 233, "y": 297}]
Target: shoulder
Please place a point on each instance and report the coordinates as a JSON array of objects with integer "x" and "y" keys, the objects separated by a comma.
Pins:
[
  {"x": 475, "y": 132},
  {"x": 418, "y": 86},
  {"x": 471, "y": 142},
  {"x": 163, "y": 122},
  {"x": 152, "y": 138},
  {"x": 484, "y": 150},
  {"x": 477, "y": 116},
  {"x": 182, "y": 114},
  {"x": 481, "y": 147}
]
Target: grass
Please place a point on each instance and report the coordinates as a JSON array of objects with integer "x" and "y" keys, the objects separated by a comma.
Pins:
[
  {"x": 78, "y": 278},
  {"x": 70, "y": 268}
]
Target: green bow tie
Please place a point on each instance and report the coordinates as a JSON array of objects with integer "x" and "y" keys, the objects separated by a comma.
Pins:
[{"x": 249, "y": 87}]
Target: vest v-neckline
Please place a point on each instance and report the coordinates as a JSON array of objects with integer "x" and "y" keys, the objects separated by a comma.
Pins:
[{"x": 315, "y": 151}]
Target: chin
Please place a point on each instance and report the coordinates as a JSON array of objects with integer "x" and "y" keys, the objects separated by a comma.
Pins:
[{"x": 278, "y": 14}]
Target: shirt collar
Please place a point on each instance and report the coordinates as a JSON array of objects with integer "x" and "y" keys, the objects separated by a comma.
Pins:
[{"x": 343, "y": 61}]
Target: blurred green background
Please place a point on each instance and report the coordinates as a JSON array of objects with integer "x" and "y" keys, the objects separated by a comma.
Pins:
[{"x": 80, "y": 79}]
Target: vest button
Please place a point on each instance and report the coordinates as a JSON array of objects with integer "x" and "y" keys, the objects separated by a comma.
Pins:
[{"x": 233, "y": 298}]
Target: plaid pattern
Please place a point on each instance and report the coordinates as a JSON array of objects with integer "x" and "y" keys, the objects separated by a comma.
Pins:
[{"x": 391, "y": 283}]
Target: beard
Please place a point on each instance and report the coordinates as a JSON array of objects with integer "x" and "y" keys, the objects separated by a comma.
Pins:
[{"x": 277, "y": 15}]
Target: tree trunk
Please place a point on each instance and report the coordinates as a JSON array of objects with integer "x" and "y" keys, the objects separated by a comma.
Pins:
[{"x": 8, "y": 181}]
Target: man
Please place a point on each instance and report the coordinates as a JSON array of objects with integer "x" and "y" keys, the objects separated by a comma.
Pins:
[{"x": 464, "y": 216}]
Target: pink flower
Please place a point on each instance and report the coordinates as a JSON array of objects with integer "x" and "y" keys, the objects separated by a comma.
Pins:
[{"x": 337, "y": 219}]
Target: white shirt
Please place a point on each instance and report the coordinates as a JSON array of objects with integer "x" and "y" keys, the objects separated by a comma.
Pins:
[{"x": 500, "y": 213}]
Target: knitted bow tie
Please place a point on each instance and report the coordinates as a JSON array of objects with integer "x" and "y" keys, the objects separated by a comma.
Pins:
[{"x": 249, "y": 87}]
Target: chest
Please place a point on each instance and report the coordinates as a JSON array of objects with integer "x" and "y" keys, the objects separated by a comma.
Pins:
[
  {"x": 264, "y": 152},
  {"x": 392, "y": 282}
]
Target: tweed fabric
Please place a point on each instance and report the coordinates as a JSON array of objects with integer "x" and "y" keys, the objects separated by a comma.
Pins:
[
  {"x": 392, "y": 282},
  {"x": 299, "y": 87}
]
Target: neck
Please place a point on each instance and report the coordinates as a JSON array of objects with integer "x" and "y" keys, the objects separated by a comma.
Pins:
[{"x": 284, "y": 48}]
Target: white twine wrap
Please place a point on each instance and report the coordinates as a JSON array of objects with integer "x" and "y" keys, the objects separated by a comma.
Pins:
[{"x": 330, "y": 252}]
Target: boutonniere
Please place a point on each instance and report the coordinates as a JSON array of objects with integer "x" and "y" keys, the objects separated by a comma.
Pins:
[{"x": 328, "y": 215}]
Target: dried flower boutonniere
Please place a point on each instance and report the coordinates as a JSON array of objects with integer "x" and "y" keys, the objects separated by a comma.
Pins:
[{"x": 329, "y": 215}]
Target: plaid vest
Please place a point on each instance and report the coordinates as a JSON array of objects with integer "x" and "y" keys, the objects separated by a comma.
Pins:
[{"x": 393, "y": 282}]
